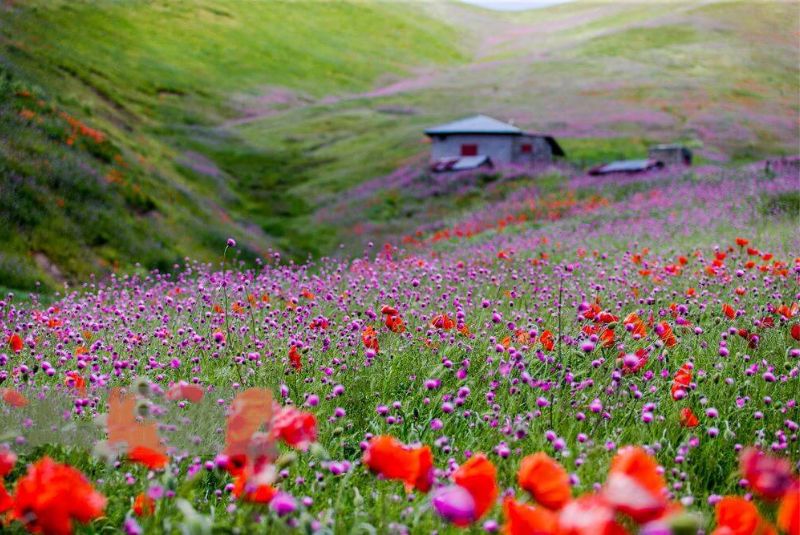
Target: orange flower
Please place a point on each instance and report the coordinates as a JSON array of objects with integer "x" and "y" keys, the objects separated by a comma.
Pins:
[
  {"x": 370, "y": 338},
  {"x": 154, "y": 460},
  {"x": 15, "y": 343},
  {"x": 51, "y": 495},
  {"x": 143, "y": 505},
  {"x": 737, "y": 516},
  {"x": 13, "y": 398},
  {"x": 443, "y": 321},
  {"x": 545, "y": 479},
  {"x": 523, "y": 519},
  {"x": 634, "y": 485},
  {"x": 392, "y": 459},
  {"x": 688, "y": 418},
  {"x": 479, "y": 476},
  {"x": 789, "y": 510},
  {"x": 547, "y": 341}
]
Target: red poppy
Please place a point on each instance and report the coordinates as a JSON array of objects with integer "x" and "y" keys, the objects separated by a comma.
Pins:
[
  {"x": 152, "y": 459},
  {"x": 185, "y": 391},
  {"x": 76, "y": 381},
  {"x": 729, "y": 311},
  {"x": 665, "y": 333},
  {"x": 635, "y": 485},
  {"x": 795, "y": 331},
  {"x": 588, "y": 515},
  {"x": 7, "y": 461},
  {"x": 524, "y": 519},
  {"x": 607, "y": 338},
  {"x": 296, "y": 428},
  {"x": 681, "y": 382},
  {"x": 143, "y": 505},
  {"x": 294, "y": 358},
  {"x": 392, "y": 459},
  {"x": 386, "y": 310},
  {"x": 443, "y": 321},
  {"x": 51, "y": 495},
  {"x": 249, "y": 411},
  {"x": 545, "y": 479},
  {"x": 769, "y": 476},
  {"x": 395, "y": 324},
  {"x": 6, "y": 501},
  {"x": 370, "y": 338},
  {"x": 643, "y": 358},
  {"x": 789, "y": 510},
  {"x": 547, "y": 340},
  {"x": 637, "y": 327},
  {"x": 254, "y": 488},
  {"x": 15, "y": 343},
  {"x": 13, "y": 397},
  {"x": 141, "y": 438},
  {"x": 741, "y": 242},
  {"x": 479, "y": 476},
  {"x": 737, "y": 516},
  {"x": 688, "y": 418}
]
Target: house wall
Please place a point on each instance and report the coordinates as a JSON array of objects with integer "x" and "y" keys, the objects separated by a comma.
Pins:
[
  {"x": 498, "y": 147},
  {"x": 670, "y": 156},
  {"x": 541, "y": 151}
]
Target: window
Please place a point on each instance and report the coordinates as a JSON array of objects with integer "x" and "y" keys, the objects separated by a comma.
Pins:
[
  {"x": 526, "y": 148},
  {"x": 469, "y": 150}
]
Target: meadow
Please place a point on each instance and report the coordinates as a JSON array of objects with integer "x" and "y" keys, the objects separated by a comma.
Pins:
[{"x": 588, "y": 355}]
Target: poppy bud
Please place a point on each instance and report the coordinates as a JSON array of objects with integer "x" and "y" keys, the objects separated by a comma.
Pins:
[
  {"x": 286, "y": 459},
  {"x": 685, "y": 524},
  {"x": 143, "y": 408},
  {"x": 317, "y": 450},
  {"x": 142, "y": 386}
]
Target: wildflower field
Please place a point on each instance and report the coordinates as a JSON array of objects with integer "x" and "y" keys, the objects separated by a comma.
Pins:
[{"x": 621, "y": 356}]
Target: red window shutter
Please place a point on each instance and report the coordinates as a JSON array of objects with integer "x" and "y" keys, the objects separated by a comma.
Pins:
[
  {"x": 469, "y": 150},
  {"x": 526, "y": 148}
]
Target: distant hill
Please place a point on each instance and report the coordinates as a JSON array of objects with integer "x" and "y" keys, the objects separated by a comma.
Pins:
[{"x": 147, "y": 131}]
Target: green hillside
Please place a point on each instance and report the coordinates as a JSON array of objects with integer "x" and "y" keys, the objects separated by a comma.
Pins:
[
  {"x": 147, "y": 131},
  {"x": 154, "y": 79}
]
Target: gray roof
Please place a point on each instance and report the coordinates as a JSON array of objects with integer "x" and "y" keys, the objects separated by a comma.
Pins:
[
  {"x": 626, "y": 166},
  {"x": 479, "y": 124}
]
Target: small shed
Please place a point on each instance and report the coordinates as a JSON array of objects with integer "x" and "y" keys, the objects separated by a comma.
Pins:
[
  {"x": 671, "y": 154},
  {"x": 483, "y": 136},
  {"x": 628, "y": 167}
]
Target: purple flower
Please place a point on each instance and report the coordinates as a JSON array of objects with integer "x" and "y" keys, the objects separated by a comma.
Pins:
[{"x": 454, "y": 503}]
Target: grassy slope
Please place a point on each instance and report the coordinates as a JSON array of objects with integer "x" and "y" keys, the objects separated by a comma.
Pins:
[
  {"x": 158, "y": 78},
  {"x": 155, "y": 78}
]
